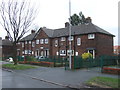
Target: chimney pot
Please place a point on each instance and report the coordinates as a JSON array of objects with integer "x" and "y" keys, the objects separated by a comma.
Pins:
[
  {"x": 67, "y": 24},
  {"x": 32, "y": 31},
  {"x": 6, "y": 37},
  {"x": 88, "y": 20}
]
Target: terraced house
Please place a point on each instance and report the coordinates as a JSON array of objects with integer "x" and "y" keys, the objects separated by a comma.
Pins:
[{"x": 55, "y": 42}]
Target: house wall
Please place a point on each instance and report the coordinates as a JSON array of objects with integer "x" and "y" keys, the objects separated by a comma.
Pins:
[
  {"x": 7, "y": 51},
  {"x": 104, "y": 44},
  {"x": 85, "y": 43},
  {"x": 43, "y": 47}
]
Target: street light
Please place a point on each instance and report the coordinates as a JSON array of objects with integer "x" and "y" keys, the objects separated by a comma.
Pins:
[{"x": 70, "y": 61}]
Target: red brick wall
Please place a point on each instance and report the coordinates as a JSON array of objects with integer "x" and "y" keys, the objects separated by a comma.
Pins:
[
  {"x": 104, "y": 44},
  {"x": 7, "y": 51}
]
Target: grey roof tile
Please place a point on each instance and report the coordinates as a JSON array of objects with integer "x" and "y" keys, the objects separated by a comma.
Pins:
[
  {"x": 29, "y": 37},
  {"x": 6, "y": 42},
  {"x": 75, "y": 30}
]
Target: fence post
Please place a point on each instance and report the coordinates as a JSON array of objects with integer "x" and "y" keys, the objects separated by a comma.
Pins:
[
  {"x": 54, "y": 60},
  {"x": 101, "y": 63}
]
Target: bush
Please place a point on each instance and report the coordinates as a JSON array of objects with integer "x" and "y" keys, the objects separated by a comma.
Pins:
[{"x": 86, "y": 56}]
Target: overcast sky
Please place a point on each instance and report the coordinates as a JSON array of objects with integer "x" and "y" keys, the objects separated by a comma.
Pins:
[{"x": 54, "y": 13}]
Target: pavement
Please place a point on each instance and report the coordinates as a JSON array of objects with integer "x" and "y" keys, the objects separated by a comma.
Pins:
[{"x": 61, "y": 77}]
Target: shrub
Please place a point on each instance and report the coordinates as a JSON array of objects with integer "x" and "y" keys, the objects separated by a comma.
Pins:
[{"x": 86, "y": 56}]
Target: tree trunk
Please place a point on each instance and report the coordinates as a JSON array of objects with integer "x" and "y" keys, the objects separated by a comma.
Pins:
[{"x": 15, "y": 53}]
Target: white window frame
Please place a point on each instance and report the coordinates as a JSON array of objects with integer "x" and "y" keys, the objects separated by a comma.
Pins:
[
  {"x": 22, "y": 52},
  {"x": 22, "y": 44},
  {"x": 56, "y": 43},
  {"x": 57, "y": 53},
  {"x": 41, "y": 41},
  {"x": 46, "y": 41},
  {"x": 33, "y": 44},
  {"x": 25, "y": 42},
  {"x": 37, "y": 41},
  {"x": 61, "y": 53},
  {"x": 62, "y": 38},
  {"x": 29, "y": 42},
  {"x": 18, "y": 43},
  {"x": 78, "y": 41},
  {"x": 72, "y": 38},
  {"x": 72, "y": 52},
  {"x": 91, "y": 36}
]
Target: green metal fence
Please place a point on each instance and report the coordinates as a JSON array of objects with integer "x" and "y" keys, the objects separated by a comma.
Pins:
[
  {"x": 97, "y": 62},
  {"x": 57, "y": 61}
]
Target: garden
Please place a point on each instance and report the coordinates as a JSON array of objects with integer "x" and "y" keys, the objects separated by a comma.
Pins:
[{"x": 51, "y": 61}]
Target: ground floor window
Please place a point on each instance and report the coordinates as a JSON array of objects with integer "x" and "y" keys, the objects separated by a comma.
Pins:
[
  {"x": 62, "y": 52},
  {"x": 70, "y": 51},
  {"x": 37, "y": 52}
]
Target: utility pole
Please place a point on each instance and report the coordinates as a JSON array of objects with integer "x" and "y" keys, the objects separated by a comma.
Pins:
[{"x": 70, "y": 51}]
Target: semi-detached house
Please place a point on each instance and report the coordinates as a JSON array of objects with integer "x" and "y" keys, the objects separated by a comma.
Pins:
[{"x": 55, "y": 42}]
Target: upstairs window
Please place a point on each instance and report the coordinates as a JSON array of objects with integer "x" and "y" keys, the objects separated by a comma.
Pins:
[
  {"x": 56, "y": 43},
  {"x": 33, "y": 44},
  {"x": 78, "y": 41},
  {"x": 37, "y": 41},
  {"x": 72, "y": 38},
  {"x": 91, "y": 36},
  {"x": 46, "y": 41},
  {"x": 29, "y": 42},
  {"x": 62, "y": 38},
  {"x": 41, "y": 41},
  {"x": 23, "y": 44}
]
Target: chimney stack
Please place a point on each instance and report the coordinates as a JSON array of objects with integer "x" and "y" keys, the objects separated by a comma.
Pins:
[
  {"x": 67, "y": 24},
  {"x": 88, "y": 20},
  {"x": 6, "y": 37},
  {"x": 32, "y": 31}
]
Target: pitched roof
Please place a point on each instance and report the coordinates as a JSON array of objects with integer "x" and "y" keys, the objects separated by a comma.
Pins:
[
  {"x": 49, "y": 32},
  {"x": 29, "y": 37},
  {"x": 81, "y": 29},
  {"x": 75, "y": 30},
  {"x": 6, "y": 42}
]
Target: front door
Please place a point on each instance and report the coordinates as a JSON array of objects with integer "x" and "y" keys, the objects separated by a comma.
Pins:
[{"x": 92, "y": 52}]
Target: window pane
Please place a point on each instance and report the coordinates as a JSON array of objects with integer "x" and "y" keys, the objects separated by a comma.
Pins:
[
  {"x": 56, "y": 43},
  {"x": 91, "y": 36},
  {"x": 62, "y": 38},
  {"x": 78, "y": 41},
  {"x": 41, "y": 41},
  {"x": 37, "y": 41},
  {"x": 46, "y": 41}
]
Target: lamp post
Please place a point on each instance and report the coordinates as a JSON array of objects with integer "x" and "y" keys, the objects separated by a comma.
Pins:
[{"x": 70, "y": 59}]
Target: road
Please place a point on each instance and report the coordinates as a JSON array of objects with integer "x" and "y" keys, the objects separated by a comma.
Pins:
[{"x": 13, "y": 80}]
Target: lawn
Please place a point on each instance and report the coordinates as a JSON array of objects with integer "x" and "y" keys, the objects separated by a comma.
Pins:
[
  {"x": 104, "y": 82},
  {"x": 17, "y": 67}
]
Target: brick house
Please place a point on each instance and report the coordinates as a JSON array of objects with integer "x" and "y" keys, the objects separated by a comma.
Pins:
[
  {"x": 117, "y": 50},
  {"x": 7, "y": 48},
  {"x": 55, "y": 42}
]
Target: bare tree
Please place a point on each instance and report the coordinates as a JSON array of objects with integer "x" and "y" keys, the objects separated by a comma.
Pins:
[{"x": 17, "y": 17}]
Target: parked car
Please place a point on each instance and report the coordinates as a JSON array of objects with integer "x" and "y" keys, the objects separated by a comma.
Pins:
[{"x": 40, "y": 57}]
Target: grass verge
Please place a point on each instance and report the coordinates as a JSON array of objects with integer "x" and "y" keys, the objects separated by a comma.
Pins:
[
  {"x": 17, "y": 67},
  {"x": 104, "y": 82}
]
